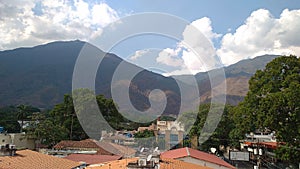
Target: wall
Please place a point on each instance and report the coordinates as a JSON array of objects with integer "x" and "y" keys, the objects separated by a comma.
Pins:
[
  {"x": 17, "y": 139},
  {"x": 5, "y": 139}
]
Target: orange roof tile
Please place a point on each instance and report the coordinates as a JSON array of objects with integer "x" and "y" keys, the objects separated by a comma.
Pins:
[
  {"x": 164, "y": 164},
  {"x": 171, "y": 163},
  {"x": 188, "y": 152},
  {"x": 88, "y": 143},
  {"x": 118, "y": 164},
  {"x": 26, "y": 159},
  {"x": 92, "y": 159}
]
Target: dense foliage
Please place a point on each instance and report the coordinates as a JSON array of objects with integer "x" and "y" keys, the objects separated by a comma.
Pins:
[
  {"x": 61, "y": 123},
  {"x": 194, "y": 122},
  {"x": 10, "y": 115},
  {"x": 273, "y": 103}
]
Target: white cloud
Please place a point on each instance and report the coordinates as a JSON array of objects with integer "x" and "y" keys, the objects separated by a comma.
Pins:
[
  {"x": 183, "y": 71},
  {"x": 170, "y": 57},
  {"x": 57, "y": 20},
  {"x": 138, "y": 54},
  {"x": 261, "y": 34},
  {"x": 204, "y": 25},
  {"x": 195, "y": 53},
  {"x": 103, "y": 14}
]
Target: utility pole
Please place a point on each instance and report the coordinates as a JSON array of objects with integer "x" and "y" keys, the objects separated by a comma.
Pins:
[{"x": 71, "y": 131}]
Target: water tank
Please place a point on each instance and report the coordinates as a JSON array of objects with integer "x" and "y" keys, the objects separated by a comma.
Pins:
[
  {"x": 255, "y": 151},
  {"x": 260, "y": 152}
]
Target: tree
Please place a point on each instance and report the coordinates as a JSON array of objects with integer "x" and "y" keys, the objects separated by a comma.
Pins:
[
  {"x": 221, "y": 134},
  {"x": 9, "y": 120},
  {"x": 273, "y": 102},
  {"x": 144, "y": 134},
  {"x": 46, "y": 130},
  {"x": 64, "y": 115},
  {"x": 62, "y": 122},
  {"x": 22, "y": 114},
  {"x": 110, "y": 112},
  {"x": 58, "y": 124}
]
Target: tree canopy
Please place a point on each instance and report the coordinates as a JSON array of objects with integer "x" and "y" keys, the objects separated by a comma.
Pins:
[
  {"x": 194, "y": 122},
  {"x": 273, "y": 103}
]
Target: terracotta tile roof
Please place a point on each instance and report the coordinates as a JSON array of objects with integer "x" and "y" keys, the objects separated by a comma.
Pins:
[
  {"x": 165, "y": 164},
  {"x": 116, "y": 149},
  {"x": 92, "y": 159},
  {"x": 67, "y": 144},
  {"x": 171, "y": 163},
  {"x": 118, "y": 164},
  {"x": 188, "y": 152},
  {"x": 26, "y": 159},
  {"x": 103, "y": 148}
]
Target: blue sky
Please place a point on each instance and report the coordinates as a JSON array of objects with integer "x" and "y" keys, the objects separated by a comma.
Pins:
[
  {"x": 225, "y": 14},
  {"x": 236, "y": 29}
]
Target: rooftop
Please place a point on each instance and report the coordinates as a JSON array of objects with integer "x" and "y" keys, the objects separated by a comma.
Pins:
[
  {"x": 119, "y": 164},
  {"x": 116, "y": 149},
  {"x": 65, "y": 144},
  {"x": 25, "y": 159},
  {"x": 164, "y": 164},
  {"x": 92, "y": 159},
  {"x": 103, "y": 148},
  {"x": 188, "y": 152},
  {"x": 171, "y": 163}
]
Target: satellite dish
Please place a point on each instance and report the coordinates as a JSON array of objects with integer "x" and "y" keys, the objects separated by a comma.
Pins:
[
  {"x": 149, "y": 157},
  {"x": 142, "y": 149}
]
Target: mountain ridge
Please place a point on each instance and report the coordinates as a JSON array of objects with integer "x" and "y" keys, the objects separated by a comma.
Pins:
[{"x": 41, "y": 75}]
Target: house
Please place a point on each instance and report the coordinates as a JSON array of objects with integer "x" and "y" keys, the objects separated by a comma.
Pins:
[
  {"x": 115, "y": 149},
  {"x": 169, "y": 134},
  {"x": 83, "y": 145},
  {"x": 96, "y": 147},
  {"x": 196, "y": 157},
  {"x": 151, "y": 127},
  {"x": 90, "y": 159},
  {"x": 25, "y": 159},
  {"x": 20, "y": 140}
]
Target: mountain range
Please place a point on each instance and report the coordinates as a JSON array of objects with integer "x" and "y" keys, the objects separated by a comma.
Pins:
[{"x": 41, "y": 75}]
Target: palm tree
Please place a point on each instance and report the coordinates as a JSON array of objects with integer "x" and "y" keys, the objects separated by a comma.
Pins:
[{"x": 22, "y": 114}]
